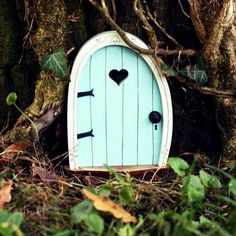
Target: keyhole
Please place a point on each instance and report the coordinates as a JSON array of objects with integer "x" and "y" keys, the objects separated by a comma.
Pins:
[{"x": 155, "y": 127}]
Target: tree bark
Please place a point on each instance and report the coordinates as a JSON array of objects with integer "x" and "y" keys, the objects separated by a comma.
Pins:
[
  {"x": 50, "y": 90},
  {"x": 217, "y": 33},
  {"x": 205, "y": 27}
]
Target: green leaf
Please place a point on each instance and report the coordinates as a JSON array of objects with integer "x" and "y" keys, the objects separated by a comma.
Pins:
[
  {"x": 194, "y": 188},
  {"x": 16, "y": 218},
  {"x": 202, "y": 63},
  {"x": 204, "y": 221},
  {"x": 3, "y": 216},
  {"x": 11, "y": 98},
  {"x": 232, "y": 186},
  {"x": 56, "y": 62},
  {"x": 195, "y": 73},
  {"x": 168, "y": 70},
  {"x": 118, "y": 177},
  {"x": 105, "y": 190},
  {"x": 66, "y": 232},
  {"x": 81, "y": 210},
  {"x": 127, "y": 230},
  {"x": 178, "y": 165},
  {"x": 126, "y": 195},
  {"x": 95, "y": 223},
  {"x": 209, "y": 180}
]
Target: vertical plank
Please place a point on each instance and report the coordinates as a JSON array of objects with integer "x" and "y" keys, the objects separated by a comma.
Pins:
[
  {"x": 98, "y": 78},
  {"x": 157, "y": 133},
  {"x": 113, "y": 107},
  {"x": 84, "y": 145},
  {"x": 129, "y": 153},
  {"x": 145, "y": 146}
]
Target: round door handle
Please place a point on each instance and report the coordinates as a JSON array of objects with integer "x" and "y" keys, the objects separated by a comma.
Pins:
[{"x": 155, "y": 117}]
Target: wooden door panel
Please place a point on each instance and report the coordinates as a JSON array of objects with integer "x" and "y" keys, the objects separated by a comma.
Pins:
[
  {"x": 98, "y": 83},
  {"x": 130, "y": 109},
  {"x": 83, "y": 122},
  {"x": 157, "y": 128},
  {"x": 118, "y": 113},
  {"x": 144, "y": 108},
  {"x": 113, "y": 93}
]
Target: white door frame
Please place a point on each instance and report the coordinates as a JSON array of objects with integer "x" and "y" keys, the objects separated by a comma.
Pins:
[{"x": 92, "y": 45}]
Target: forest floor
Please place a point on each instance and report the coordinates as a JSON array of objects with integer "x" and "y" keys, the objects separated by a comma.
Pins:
[{"x": 38, "y": 197}]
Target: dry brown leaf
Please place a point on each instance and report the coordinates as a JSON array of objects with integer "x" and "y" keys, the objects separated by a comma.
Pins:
[
  {"x": 5, "y": 193},
  {"x": 103, "y": 203},
  {"x": 45, "y": 175},
  {"x": 13, "y": 150}
]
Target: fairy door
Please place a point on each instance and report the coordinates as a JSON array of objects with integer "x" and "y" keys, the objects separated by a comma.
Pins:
[{"x": 117, "y": 116}]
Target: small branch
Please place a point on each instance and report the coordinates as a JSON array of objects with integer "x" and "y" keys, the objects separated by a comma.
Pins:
[
  {"x": 196, "y": 20},
  {"x": 104, "y": 12},
  {"x": 139, "y": 12},
  {"x": 182, "y": 9},
  {"x": 205, "y": 90},
  {"x": 164, "y": 31},
  {"x": 114, "y": 10},
  {"x": 161, "y": 52},
  {"x": 220, "y": 25},
  {"x": 187, "y": 52},
  {"x": 216, "y": 92}
]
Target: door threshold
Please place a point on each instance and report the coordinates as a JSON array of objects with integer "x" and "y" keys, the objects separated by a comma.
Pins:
[{"x": 130, "y": 169}]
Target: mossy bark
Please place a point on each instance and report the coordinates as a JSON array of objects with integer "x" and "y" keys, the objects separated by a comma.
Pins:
[
  {"x": 220, "y": 51},
  {"x": 70, "y": 23},
  {"x": 49, "y": 91}
]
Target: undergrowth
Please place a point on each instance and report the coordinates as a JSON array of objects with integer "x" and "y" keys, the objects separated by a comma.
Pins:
[{"x": 188, "y": 199}]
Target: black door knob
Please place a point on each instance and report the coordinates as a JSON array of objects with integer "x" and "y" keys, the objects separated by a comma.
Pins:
[{"x": 155, "y": 117}]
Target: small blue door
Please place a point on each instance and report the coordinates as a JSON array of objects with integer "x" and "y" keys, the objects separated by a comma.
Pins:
[{"x": 119, "y": 110}]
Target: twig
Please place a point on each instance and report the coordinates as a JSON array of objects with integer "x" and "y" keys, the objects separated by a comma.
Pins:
[
  {"x": 25, "y": 39},
  {"x": 114, "y": 10},
  {"x": 164, "y": 31},
  {"x": 104, "y": 12},
  {"x": 138, "y": 10},
  {"x": 220, "y": 25},
  {"x": 161, "y": 52},
  {"x": 195, "y": 16},
  {"x": 205, "y": 90},
  {"x": 182, "y": 9},
  {"x": 177, "y": 52}
]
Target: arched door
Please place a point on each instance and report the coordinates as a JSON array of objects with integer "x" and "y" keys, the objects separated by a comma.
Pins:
[{"x": 118, "y": 110}]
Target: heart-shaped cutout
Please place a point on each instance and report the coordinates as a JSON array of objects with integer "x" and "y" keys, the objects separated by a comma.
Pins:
[{"x": 118, "y": 76}]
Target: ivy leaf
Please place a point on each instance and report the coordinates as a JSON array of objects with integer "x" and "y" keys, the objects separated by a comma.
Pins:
[
  {"x": 16, "y": 219},
  {"x": 80, "y": 211},
  {"x": 105, "y": 190},
  {"x": 168, "y": 70},
  {"x": 95, "y": 223},
  {"x": 56, "y": 62},
  {"x": 11, "y": 98},
  {"x": 202, "y": 63},
  {"x": 209, "y": 180},
  {"x": 178, "y": 165},
  {"x": 195, "y": 73},
  {"x": 126, "y": 195},
  {"x": 232, "y": 186},
  {"x": 194, "y": 187}
]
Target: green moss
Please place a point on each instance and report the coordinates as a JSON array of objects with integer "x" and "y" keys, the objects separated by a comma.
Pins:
[{"x": 52, "y": 29}]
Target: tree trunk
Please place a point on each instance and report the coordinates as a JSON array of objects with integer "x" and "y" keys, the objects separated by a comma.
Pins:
[{"x": 160, "y": 23}]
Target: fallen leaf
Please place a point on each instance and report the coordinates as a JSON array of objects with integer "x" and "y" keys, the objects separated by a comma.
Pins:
[
  {"x": 104, "y": 204},
  {"x": 14, "y": 149},
  {"x": 5, "y": 193},
  {"x": 45, "y": 175}
]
